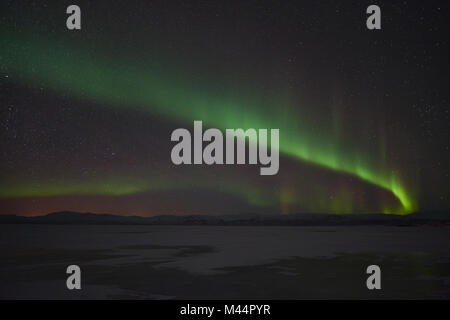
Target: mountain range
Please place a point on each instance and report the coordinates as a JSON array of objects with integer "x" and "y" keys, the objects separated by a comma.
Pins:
[{"x": 303, "y": 219}]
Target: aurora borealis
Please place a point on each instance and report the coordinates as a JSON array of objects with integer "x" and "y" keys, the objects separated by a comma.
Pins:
[{"x": 347, "y": 141}]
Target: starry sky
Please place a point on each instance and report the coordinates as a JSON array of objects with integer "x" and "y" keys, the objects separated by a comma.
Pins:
[{"x": 86, "y": 116}]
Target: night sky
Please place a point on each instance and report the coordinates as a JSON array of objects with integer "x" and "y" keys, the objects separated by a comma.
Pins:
[{"x": 86, "y": 116}]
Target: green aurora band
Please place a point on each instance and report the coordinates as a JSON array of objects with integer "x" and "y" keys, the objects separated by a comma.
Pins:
[
  {"x": 121, "y": 186},
  {"x": 121, "y": 84}
]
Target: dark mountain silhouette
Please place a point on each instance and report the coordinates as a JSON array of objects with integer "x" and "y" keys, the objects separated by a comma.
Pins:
[{"x": 304, "y": 219}]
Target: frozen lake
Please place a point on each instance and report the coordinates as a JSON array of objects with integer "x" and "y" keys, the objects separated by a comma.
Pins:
[{"x": 214, "y": 262}]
